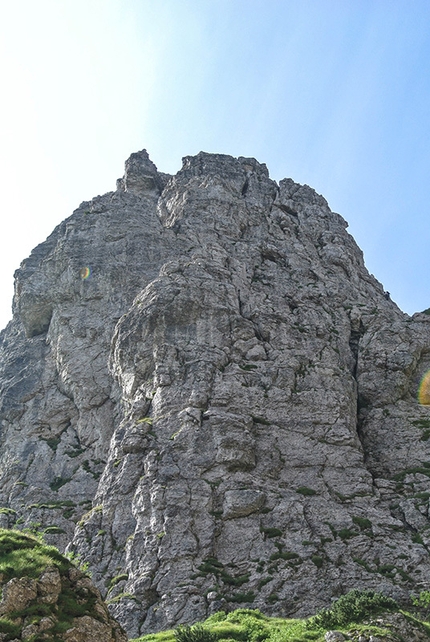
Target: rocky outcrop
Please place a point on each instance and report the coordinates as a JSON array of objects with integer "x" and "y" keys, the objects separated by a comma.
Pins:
[
  {"x": 56, "y": 602},
  {"x": 208, "y": 395},
  {"x": 391, "y": 627}
]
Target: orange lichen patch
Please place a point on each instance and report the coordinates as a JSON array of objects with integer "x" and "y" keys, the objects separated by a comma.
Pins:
[
  {"x": 424, "y": 390},
  {"x": 85, "y": 272}
]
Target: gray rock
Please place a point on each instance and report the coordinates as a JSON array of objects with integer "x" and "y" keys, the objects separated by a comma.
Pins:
[
  {"x": 205, "y": 393},
  {"x": 334, "y": 636}
]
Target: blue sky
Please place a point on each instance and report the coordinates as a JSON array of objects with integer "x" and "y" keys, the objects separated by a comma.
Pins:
[{"x": 332, "y": 93}]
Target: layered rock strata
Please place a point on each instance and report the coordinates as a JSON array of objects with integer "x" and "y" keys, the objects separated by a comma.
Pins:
[{"x": 205, "y": 394}]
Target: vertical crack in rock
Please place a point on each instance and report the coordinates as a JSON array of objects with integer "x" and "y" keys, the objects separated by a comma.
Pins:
[
  {"x": 188, "y": 386},
  {"x": 245, "y": 187}
]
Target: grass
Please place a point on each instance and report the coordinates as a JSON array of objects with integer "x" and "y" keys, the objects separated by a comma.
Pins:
[
  {"x": 362, "y": 522},
  {"x": 304, "y": 490},
  {"x": 23, "y": 555},
  {"x": 212, "y": 566},
  {"x": 58, "y": 482},
  {"x": 271, "y": 532},
  {"x": 249, "y": 625}
]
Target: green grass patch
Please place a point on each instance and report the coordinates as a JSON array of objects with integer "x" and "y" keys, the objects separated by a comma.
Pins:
[
  {"x": 422, "y": 423},
  {"x": 422, "y": 470},
  {"x": 118, "y": 578},
  {"x": 287, "y": 555},
  {"x": 362, "y": 522},
  {"x": 57, "y": 482},
  {"x": 317, "y": 560},
  {"x": 54, "y": 530},
  {"x": 260, "y": 420},
  {"x": 304, "y": 490},
  {"x": 7, "y": 511},
  {"x": 25, "y": 555},
  {"x": 212, "y": 566},
  {"x": 22, "y": 555},
  {"x": 346, "y": 533},
  {"x": 75, "y": 453},
  {"x": 249, "y": 625},
  {"x": 66, "y": 503},
  {"x": 52, "y": 442},
  {"x": 270, "y": 532},
  {"x": 353, "y": 607}
]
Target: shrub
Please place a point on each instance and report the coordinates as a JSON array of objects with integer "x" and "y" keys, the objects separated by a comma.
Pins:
[
  {"x": 304, "y": 490},
  {"x": 423, "y": 600},
  {"x": 317, "y": 560},
  {"x": 422, "y": 604},
  {"x": 271, "y": 532},
  {"x": 355, "y": 606},
  {"x": 196, "y": 633},
  {"x": 362, "y": 522}
]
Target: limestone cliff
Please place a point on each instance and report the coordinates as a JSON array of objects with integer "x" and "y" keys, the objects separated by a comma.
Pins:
[{"x": 207, "y": 397}]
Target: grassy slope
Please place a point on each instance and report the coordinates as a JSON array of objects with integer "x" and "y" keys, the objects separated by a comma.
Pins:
[
  {"x": 245, "y": 625},
  {"x": 23, "y": 555}
]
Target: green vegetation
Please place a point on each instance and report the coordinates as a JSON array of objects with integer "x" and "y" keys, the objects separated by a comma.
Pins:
[
  {"x": 317, "y": 560},
  {"x": 271, "y": 532},
  {"x": 52, "y": 441},
  {"x": 353, "y": 607},
  {"x": 75, "y": 452},
  {"x": 422, "y": 470},
  {"x": 118, "y": 578},
  {"x": 249, "y": 625},
  {"x": 58, "y": 482},
  {"x": 52, "y": 505},
  {"x": 53, "y": 530},
  {"x": 260, "y": 420},
  {"x": 362, "y": 522},
  {"x": 303, "y": 490},
  {"x": 194, "y": 633},
  {"x": 213, "y": 566},
  {"x": 346, "y": 533},
  {"x": 23, "y": 555},
  {"x": 7, "y": 511},
  {"x": 9, "y": 629}
]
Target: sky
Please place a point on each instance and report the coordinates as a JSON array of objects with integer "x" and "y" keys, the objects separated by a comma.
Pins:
[{"x": 332, "y": 93}]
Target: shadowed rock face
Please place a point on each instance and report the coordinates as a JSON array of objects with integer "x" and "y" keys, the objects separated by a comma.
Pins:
[{"x": 225, "y": 400}]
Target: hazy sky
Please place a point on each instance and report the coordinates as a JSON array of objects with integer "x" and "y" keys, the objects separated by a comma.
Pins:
[{"x": 332, "y": 93}]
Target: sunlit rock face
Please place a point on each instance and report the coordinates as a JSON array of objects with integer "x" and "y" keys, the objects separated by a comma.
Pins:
[{"x": 206, "y": 395}]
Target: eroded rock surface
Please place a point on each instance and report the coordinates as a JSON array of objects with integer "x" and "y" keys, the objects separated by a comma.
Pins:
[{"x": 208, "y": 395}]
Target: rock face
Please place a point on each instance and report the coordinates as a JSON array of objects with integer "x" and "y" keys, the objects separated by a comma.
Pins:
[{"x": 206, "y": 395}]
